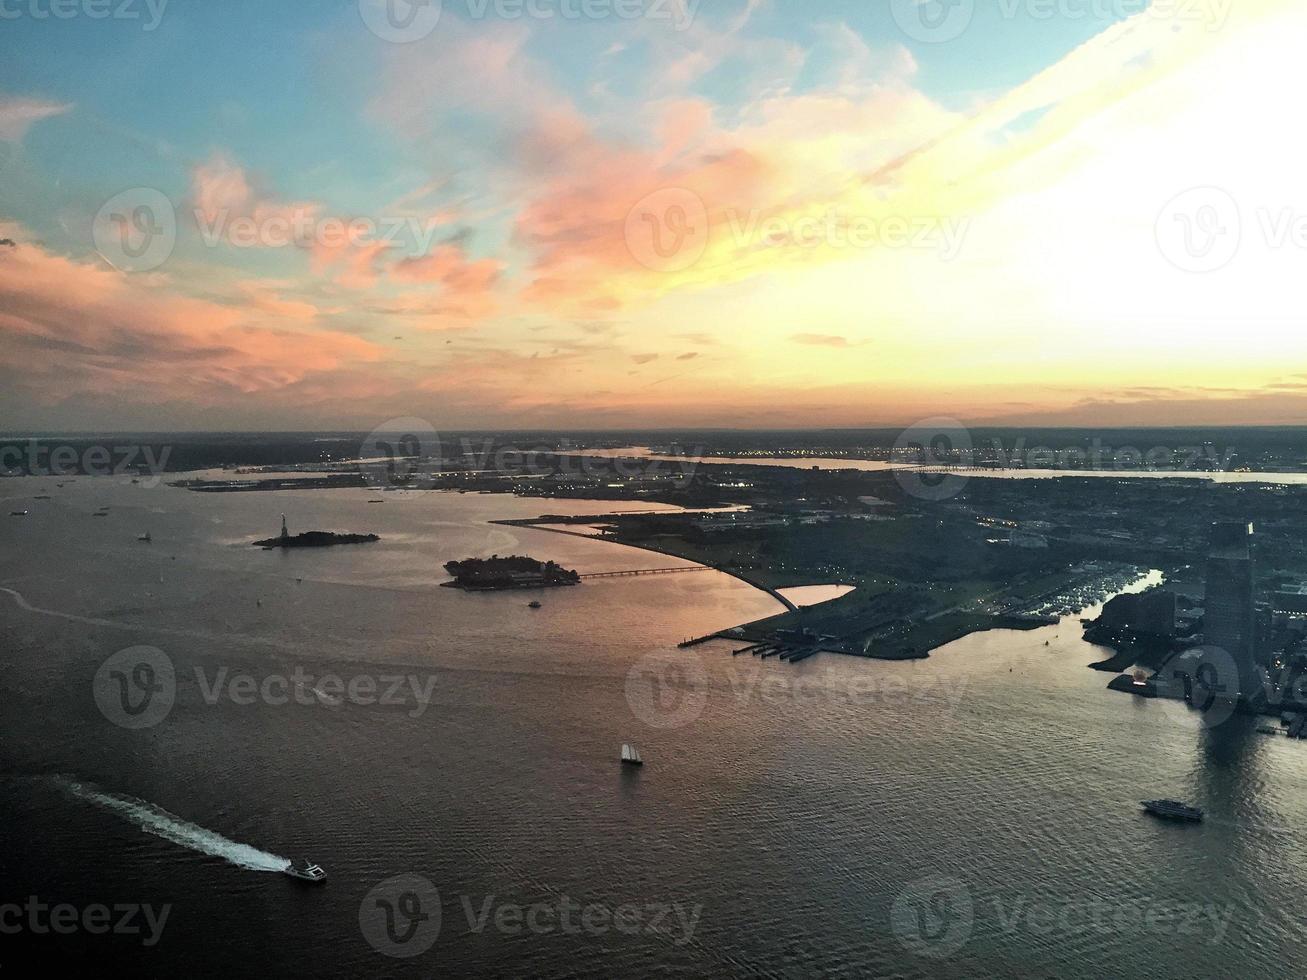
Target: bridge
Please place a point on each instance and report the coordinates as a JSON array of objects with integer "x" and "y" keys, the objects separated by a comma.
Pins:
[{"x": 680, "y": 569}]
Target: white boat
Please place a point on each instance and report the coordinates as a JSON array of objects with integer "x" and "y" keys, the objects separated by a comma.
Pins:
[
  {"x": 631, "y": 756},
  {"x": 307, "y": 871}
]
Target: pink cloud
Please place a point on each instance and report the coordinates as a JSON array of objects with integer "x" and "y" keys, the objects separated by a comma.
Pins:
[
  {"x": 70, "y": 328},
  {"x": 17, "y": 115},
  {"x": 466, "y": 286},
  {"x": 230, "y": 207}
]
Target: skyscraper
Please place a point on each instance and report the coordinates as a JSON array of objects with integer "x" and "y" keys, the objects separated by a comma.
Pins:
[{"x": 1230, "y": 613}]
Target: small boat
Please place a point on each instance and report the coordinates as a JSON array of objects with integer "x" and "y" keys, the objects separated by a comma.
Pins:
[
  {"x": 1173, "y": 810},
  {"x": 307, "y": 871},
  {"x": 631, "y": 756},
  {"x": 18, "y": 513},
  {"x": 145, "y": 537},
  {"x": 533, "y": 604}
]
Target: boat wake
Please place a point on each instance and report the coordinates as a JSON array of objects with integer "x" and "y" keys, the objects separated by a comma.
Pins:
[{"x": 158, "y": 821}]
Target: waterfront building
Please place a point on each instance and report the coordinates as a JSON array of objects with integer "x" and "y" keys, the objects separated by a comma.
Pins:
[{"x": 1229, "y": 608}]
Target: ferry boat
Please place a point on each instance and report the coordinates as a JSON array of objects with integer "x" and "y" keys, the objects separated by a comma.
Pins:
[
  {"x": 1173, "y": 810},
  {"x": 306, "y": 871},
  {"x": 631, "y": 756}
]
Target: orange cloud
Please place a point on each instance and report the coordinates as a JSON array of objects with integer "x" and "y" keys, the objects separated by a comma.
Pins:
[
  {"x": 228, "y": 207},
  {"x": 466, "y": 286},
  {"x": 71, "y": 328},
  {"x": 820, "y": 340},
  {"x": 795, "y": 162}
]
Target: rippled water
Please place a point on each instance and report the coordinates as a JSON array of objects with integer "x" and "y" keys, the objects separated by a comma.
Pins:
[{"x": 974, "y": 814}]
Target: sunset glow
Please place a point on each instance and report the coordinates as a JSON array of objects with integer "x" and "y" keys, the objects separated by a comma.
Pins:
[{"x": 755, "y": 213}]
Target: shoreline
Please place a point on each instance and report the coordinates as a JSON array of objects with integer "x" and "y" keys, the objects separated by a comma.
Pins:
[
  {"x": 754, "y": 632},
  {"x": 517, "y": 522}
]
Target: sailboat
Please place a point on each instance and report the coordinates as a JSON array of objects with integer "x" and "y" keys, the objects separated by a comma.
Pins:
[{"x": 631, "y": 756}]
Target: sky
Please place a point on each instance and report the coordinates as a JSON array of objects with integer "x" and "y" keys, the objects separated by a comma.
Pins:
[{"x": 651, "y": 213}]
